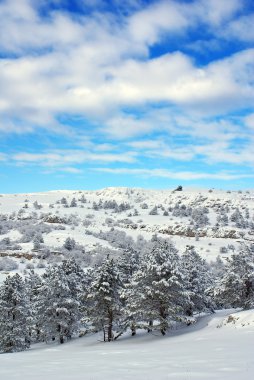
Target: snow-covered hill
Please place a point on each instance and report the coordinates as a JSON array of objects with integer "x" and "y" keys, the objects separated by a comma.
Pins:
[
  {"x": 34, "y": 225},
  {"x": 40, "y": 229},
  {"x": 202, "y": 351}
]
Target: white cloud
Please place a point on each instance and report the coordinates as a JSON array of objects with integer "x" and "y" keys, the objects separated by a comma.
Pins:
[
  {"x": 3, "y": 157},
  {"x": 241, "y": 28},
  {"x": 249, "y": 120},
  {"x": 147, "y": 25},
  {"x": 69, "y": 157},
  {"x": 185, "y": 176},
  {"x": 217, "y": 12},
  {"x": 122, "y": 127},
  {"x": 219, "y": 86},
  {"x": 38, "y": 89},
  {"x": 71, "y": 170},
  {"x": 95, "y": 66},
  {"x": 162, "y": 149}
]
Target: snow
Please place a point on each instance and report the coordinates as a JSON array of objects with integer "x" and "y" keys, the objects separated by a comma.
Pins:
[
  {"x": 202, "y": 351},
  {"x": 218, "y": 347},
  {"x": 13, "y": 235},
  {"x": 166, "y": 226},
  {"x": 245, "y": 319}
]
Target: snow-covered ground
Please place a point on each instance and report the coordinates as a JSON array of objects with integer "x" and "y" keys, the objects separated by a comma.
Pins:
[
  {"x": 217, "y": 347},
  {"x": 83, "y": 223},
  {"x": 147, "y": 225},
  {"x": 212, "y": 349}
]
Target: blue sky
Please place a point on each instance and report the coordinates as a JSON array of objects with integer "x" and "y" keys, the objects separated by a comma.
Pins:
[{"x": 152, "y": 94}]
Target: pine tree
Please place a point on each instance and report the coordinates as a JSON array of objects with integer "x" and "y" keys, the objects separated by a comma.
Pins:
[
  {"x": 236, "y": 287},
  {"x": 128, "y": 263},
  {"x": 79, "y": 282},
  {"x": 73, "y": 202},
  {"x": 154, "y": 211},
  {"x": 59, "y": 309},
  {"x": 14, "y": 313},
  {"x": 33, "y": 284},
  {"x": 75, "y": 277},
  {"x": 105, "y": 303},
  {"x": 156, "y": 292},
  {"x": 69, "y": 244},
  {"x": 197, "y": 281}
]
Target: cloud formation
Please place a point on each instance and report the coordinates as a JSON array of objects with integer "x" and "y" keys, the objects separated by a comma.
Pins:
[
  {"x": 183, "y": 176},
  {"x": 163, "y": 81}
]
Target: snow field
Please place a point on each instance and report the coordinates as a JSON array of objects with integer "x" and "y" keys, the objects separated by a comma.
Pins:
[{"x": 202, "y": 351}]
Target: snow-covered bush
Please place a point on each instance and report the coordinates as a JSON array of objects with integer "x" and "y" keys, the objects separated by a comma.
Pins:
[{"x": 8, "y": 264}]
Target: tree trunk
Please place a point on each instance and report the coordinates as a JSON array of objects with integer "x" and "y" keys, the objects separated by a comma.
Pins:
[
  {"x": 133, "y": 329},
  {"x": 163, "y": 316},
  {"x": 110, "y": 326},
  {"x": 150, "y": 328},
  {"x": 189, "y": 312}
]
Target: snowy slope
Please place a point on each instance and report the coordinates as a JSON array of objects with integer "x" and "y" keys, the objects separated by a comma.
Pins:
[
  {"x": 83, "y": 222},
  {"x": 217, "y": 347},
  {"x": 203, "y": 351}
]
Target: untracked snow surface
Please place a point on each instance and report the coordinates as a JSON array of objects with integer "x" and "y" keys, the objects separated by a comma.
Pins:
[{"x": 211, "y": 349}]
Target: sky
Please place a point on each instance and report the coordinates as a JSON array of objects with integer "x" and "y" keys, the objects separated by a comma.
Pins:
[{"x": 136, "y": 93}]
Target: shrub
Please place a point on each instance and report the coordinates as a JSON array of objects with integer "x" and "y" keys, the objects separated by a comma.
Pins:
[{"x": 8, "y": 264}]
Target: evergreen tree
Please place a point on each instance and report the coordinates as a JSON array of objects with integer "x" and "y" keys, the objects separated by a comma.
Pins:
[
  {"x": 128, "y": 263},
  {"x": 156, "y": 292},
  {"x": 69, "y": 244},
  {"x": 82, "y": 199},
  {"x": 59, "y": 308},
  {"x": 75, "y": 276},
  {"x": 154, "y": 211},
  {"x": 73, "y": 202},
  {"x": 79, "y": 282},
  {"x": 33, "y": 284},
  {"x": 14, "y": 313},
  {"x": 197, "y": 281},
  {"x": 104, "y": 311},
  {"x": 236, "y": 287}
]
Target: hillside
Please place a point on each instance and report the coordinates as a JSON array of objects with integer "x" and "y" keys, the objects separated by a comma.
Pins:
[
  {"x": 35, "y": 226},
  {"x": 39, "y": 230},
  {"x": 211, "y": 349}
]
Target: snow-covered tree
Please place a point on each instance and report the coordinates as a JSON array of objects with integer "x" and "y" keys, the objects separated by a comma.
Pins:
[
  {"x": 128, "y": 263},
  {"x": 105, "y": 308},
  {"x": 59, "y": 309},
  {"x": 73, "y": 202},
  {"x": 217, "y": 268},
  {"x": 69, "y": 244},
  {"x": 156, "y": 292},
  {"x": 222, "y": 219},
  {"x": 198, "y": 281},
  {"x": 64, "y": 201},
  {"x": 33, "y": 284},
  {"x": 77, "y": 280},
  {"x": 199, "y": 217},
  {"x": 8, "y": 264},
  {"x": 239, "y": 220},
  {"x": 82, "y": 199},
  {"x": 37, "y": 206},
  {"x": 236, "y": 287},
  {"x": 14, "y": 313},
  {"x": 154, "y": 211}
]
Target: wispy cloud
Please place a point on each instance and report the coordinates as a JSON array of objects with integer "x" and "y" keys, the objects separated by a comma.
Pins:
[
  {"x": 185, "y": 176},
  {"x": 128, "y": 84},
  {"x": 3, "y": 157},
  {"x": 90, "y": 65},
  {"x": 67, "y": 157}
]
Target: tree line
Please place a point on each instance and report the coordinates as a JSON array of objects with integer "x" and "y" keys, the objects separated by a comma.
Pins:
[{"x": 151, "y": 291}]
